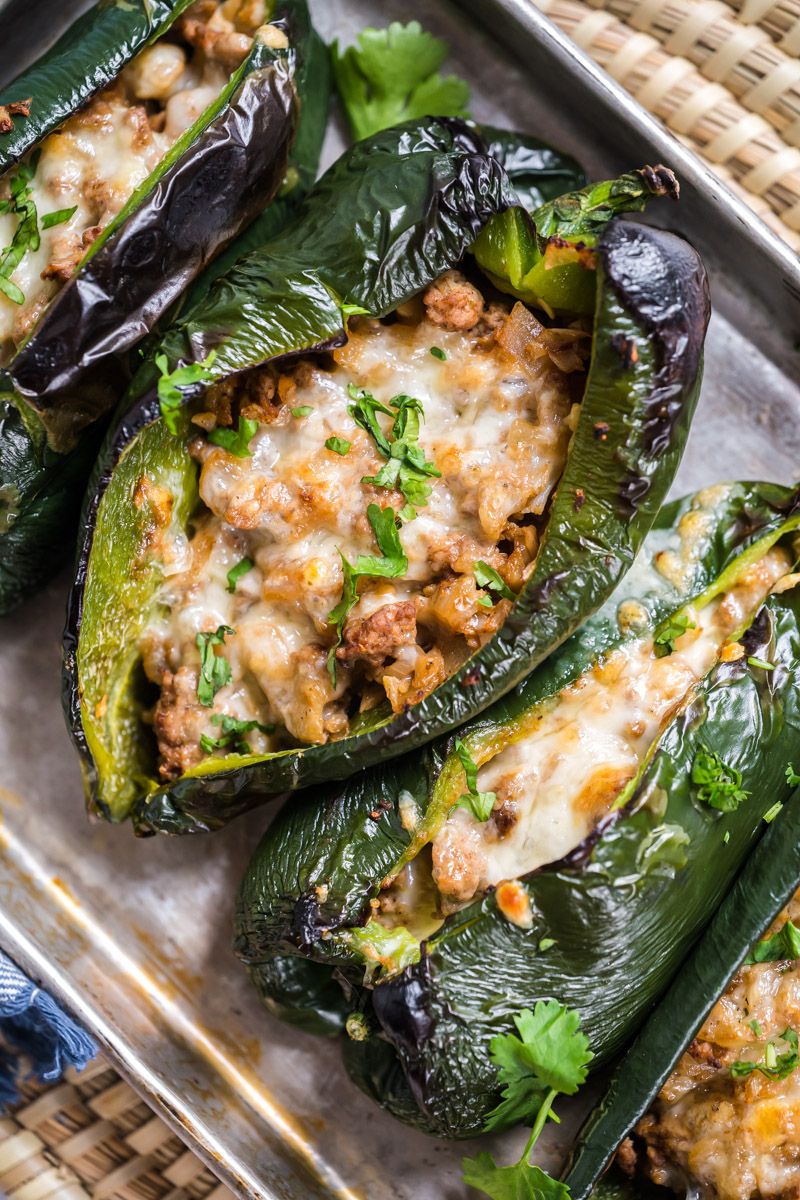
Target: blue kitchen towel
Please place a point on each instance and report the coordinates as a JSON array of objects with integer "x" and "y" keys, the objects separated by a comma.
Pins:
[{"x": 33, "y": 1025}]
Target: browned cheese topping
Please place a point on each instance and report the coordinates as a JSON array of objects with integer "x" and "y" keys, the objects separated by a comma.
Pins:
[
  {"x": 721, "y": 1136},
  {"x": 498, "y": 404}
]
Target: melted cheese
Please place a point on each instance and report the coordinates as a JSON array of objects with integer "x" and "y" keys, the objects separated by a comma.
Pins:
[
  {"x": 98, "y": 157},
  {"x": 726, "y": 1137},
  {"x": 574, "y": 754},
  {"x": 295, "y": 507}
]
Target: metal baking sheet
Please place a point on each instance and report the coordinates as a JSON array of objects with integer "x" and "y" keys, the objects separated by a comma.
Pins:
[{"x": 135, "y": 936}]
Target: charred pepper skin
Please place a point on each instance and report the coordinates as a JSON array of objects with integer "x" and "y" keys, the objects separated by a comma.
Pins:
[
  {"x": 323, "y": 860},
  {"x": 68, "y": 374}
]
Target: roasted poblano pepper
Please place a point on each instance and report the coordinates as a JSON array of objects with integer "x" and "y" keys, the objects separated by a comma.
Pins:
[
  {"x": 442, "y": 187},
  {"x": 62, "y": 351},
  {"x": 630, "y": 776},
  {"x": 735, "y": 935}
]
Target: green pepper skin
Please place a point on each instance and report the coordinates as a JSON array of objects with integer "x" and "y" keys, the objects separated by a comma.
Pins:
[
  {"x": 651, "y": 297},
  {"x": 70, "y": 371},
  {"x": 537, "y": 171},
  {"x": 768, "y": 881},
  {"x": 616, "y": 948}
]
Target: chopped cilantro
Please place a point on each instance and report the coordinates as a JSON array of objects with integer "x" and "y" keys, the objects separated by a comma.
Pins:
[
  {"x": 792, "y": 778},
  {"x": 782, "y": 946},
  {"x": 391, "y": 565},
  {"x": 391, "y": 75},
  {"x": 215, "y": 670},
  {"x": 487, "y": 577},
  {"x": 235, "y": 441},
  {"x": 338, "y": 445},
  {"x": 550, "y": 1057},
  {"x": 771, "y": 813},
  {"x": 26, "y": 236},
  {"x": 172, "y": 385},
  {"x": 406, "y": 467},
  {"x": 718, "y": 785},
  {"x": 756, "y": 1028},
  {"x": 59, "y": 217},
  {"x": 774, "y": 1065},
  {"x": 726, "y": 836},
  {"x": 437, "y": 352},
  {"x": 760, "y": 662},
  {"x": 545, "y": 943},
  {"x": 303, "y": 410},
  {"x": 480, "y": 804},
  {"x": 235, "y": 574},
  {"x": 354, "y": 310},
  {"x": 233, "y": 731},
  {"x": 669, "y": 631}
]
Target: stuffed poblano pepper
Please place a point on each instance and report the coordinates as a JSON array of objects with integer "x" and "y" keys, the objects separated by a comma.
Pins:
[
  {"x": 132, "y": 153},
  {"x": 705, "y": 1101},
  {"x": 570, "y": 844},
  {"x": 329, "y": 558}
]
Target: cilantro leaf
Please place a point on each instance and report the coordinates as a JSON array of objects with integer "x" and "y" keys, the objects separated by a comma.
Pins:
[
  {"x": 406, "y": 467},
  {"x": 59, "y": 217},
  {"x": 792, "y": 778},
  {"x": 233, "y": 730},
  {"x": 236, "y": 572},
  {"x": 551, "y": 1054},
  {"x": 518, "y": 1182},
  {"x": 480, "y": 804},
  {"x": 215, "y": 670},
  {"x": 718, "y": 784},
  {"x": 391, "y": 565},
  {"x": 391, "y": 75},
  {"x": 302, "y": 410},
  {"x": 487, "y": 577},
  {"x": 669, "y": 631},
  {"x": 774, "y": 1065},
  {"x": 235, "y": 441},
  {"x": 783, "y": 945},
  {"x": 173, "y": 384},
  {"x": 338, "y": 445}
]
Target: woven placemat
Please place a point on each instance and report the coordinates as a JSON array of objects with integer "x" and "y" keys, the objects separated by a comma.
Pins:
[
  {"x": 90, "y": 1137},
  {"x": 724, "y": 77}
]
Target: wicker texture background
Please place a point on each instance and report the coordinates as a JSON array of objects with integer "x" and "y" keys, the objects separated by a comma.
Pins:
[
  {"x": 724, "y": 77},
  {"x": 90, "y": 1137}
]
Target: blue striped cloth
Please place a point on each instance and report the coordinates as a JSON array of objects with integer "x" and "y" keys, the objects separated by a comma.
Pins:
[{"x": 35, "y": 1032}]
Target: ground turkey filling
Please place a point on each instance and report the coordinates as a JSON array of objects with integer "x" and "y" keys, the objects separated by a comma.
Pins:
[
  {"x": 96, "y": 159},
  {"x": 712, "y": 1133},
  {"x": 496, "y": 397}
]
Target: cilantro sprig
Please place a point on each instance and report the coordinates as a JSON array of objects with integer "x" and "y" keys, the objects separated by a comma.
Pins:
[
  {"x": 549, "y": 1058},
  {"x": 391, "y": 75},
  {"x": 773, "y": 1065},
  {"x": 233, "y": 731},
  {"x": 27, "y": 235},
  {"x": 669, "y": 631},
  {"x": 391, "y": 565},
  {"x": 718, "y": 784},
  {"x": 173, "y": 385},
  {"x": 480, "y": 804},
  {"x": 406, "y": 467},
  {"x": 215, "y": 670}
]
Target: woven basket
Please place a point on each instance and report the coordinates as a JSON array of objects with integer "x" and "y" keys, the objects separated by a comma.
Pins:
[
  {"x": 724, "y": 77},
  {"x": 90, "y": 1137}
]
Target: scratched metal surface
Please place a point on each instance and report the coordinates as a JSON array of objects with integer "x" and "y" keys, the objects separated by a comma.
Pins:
[{"x": 135, "y": 936}]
